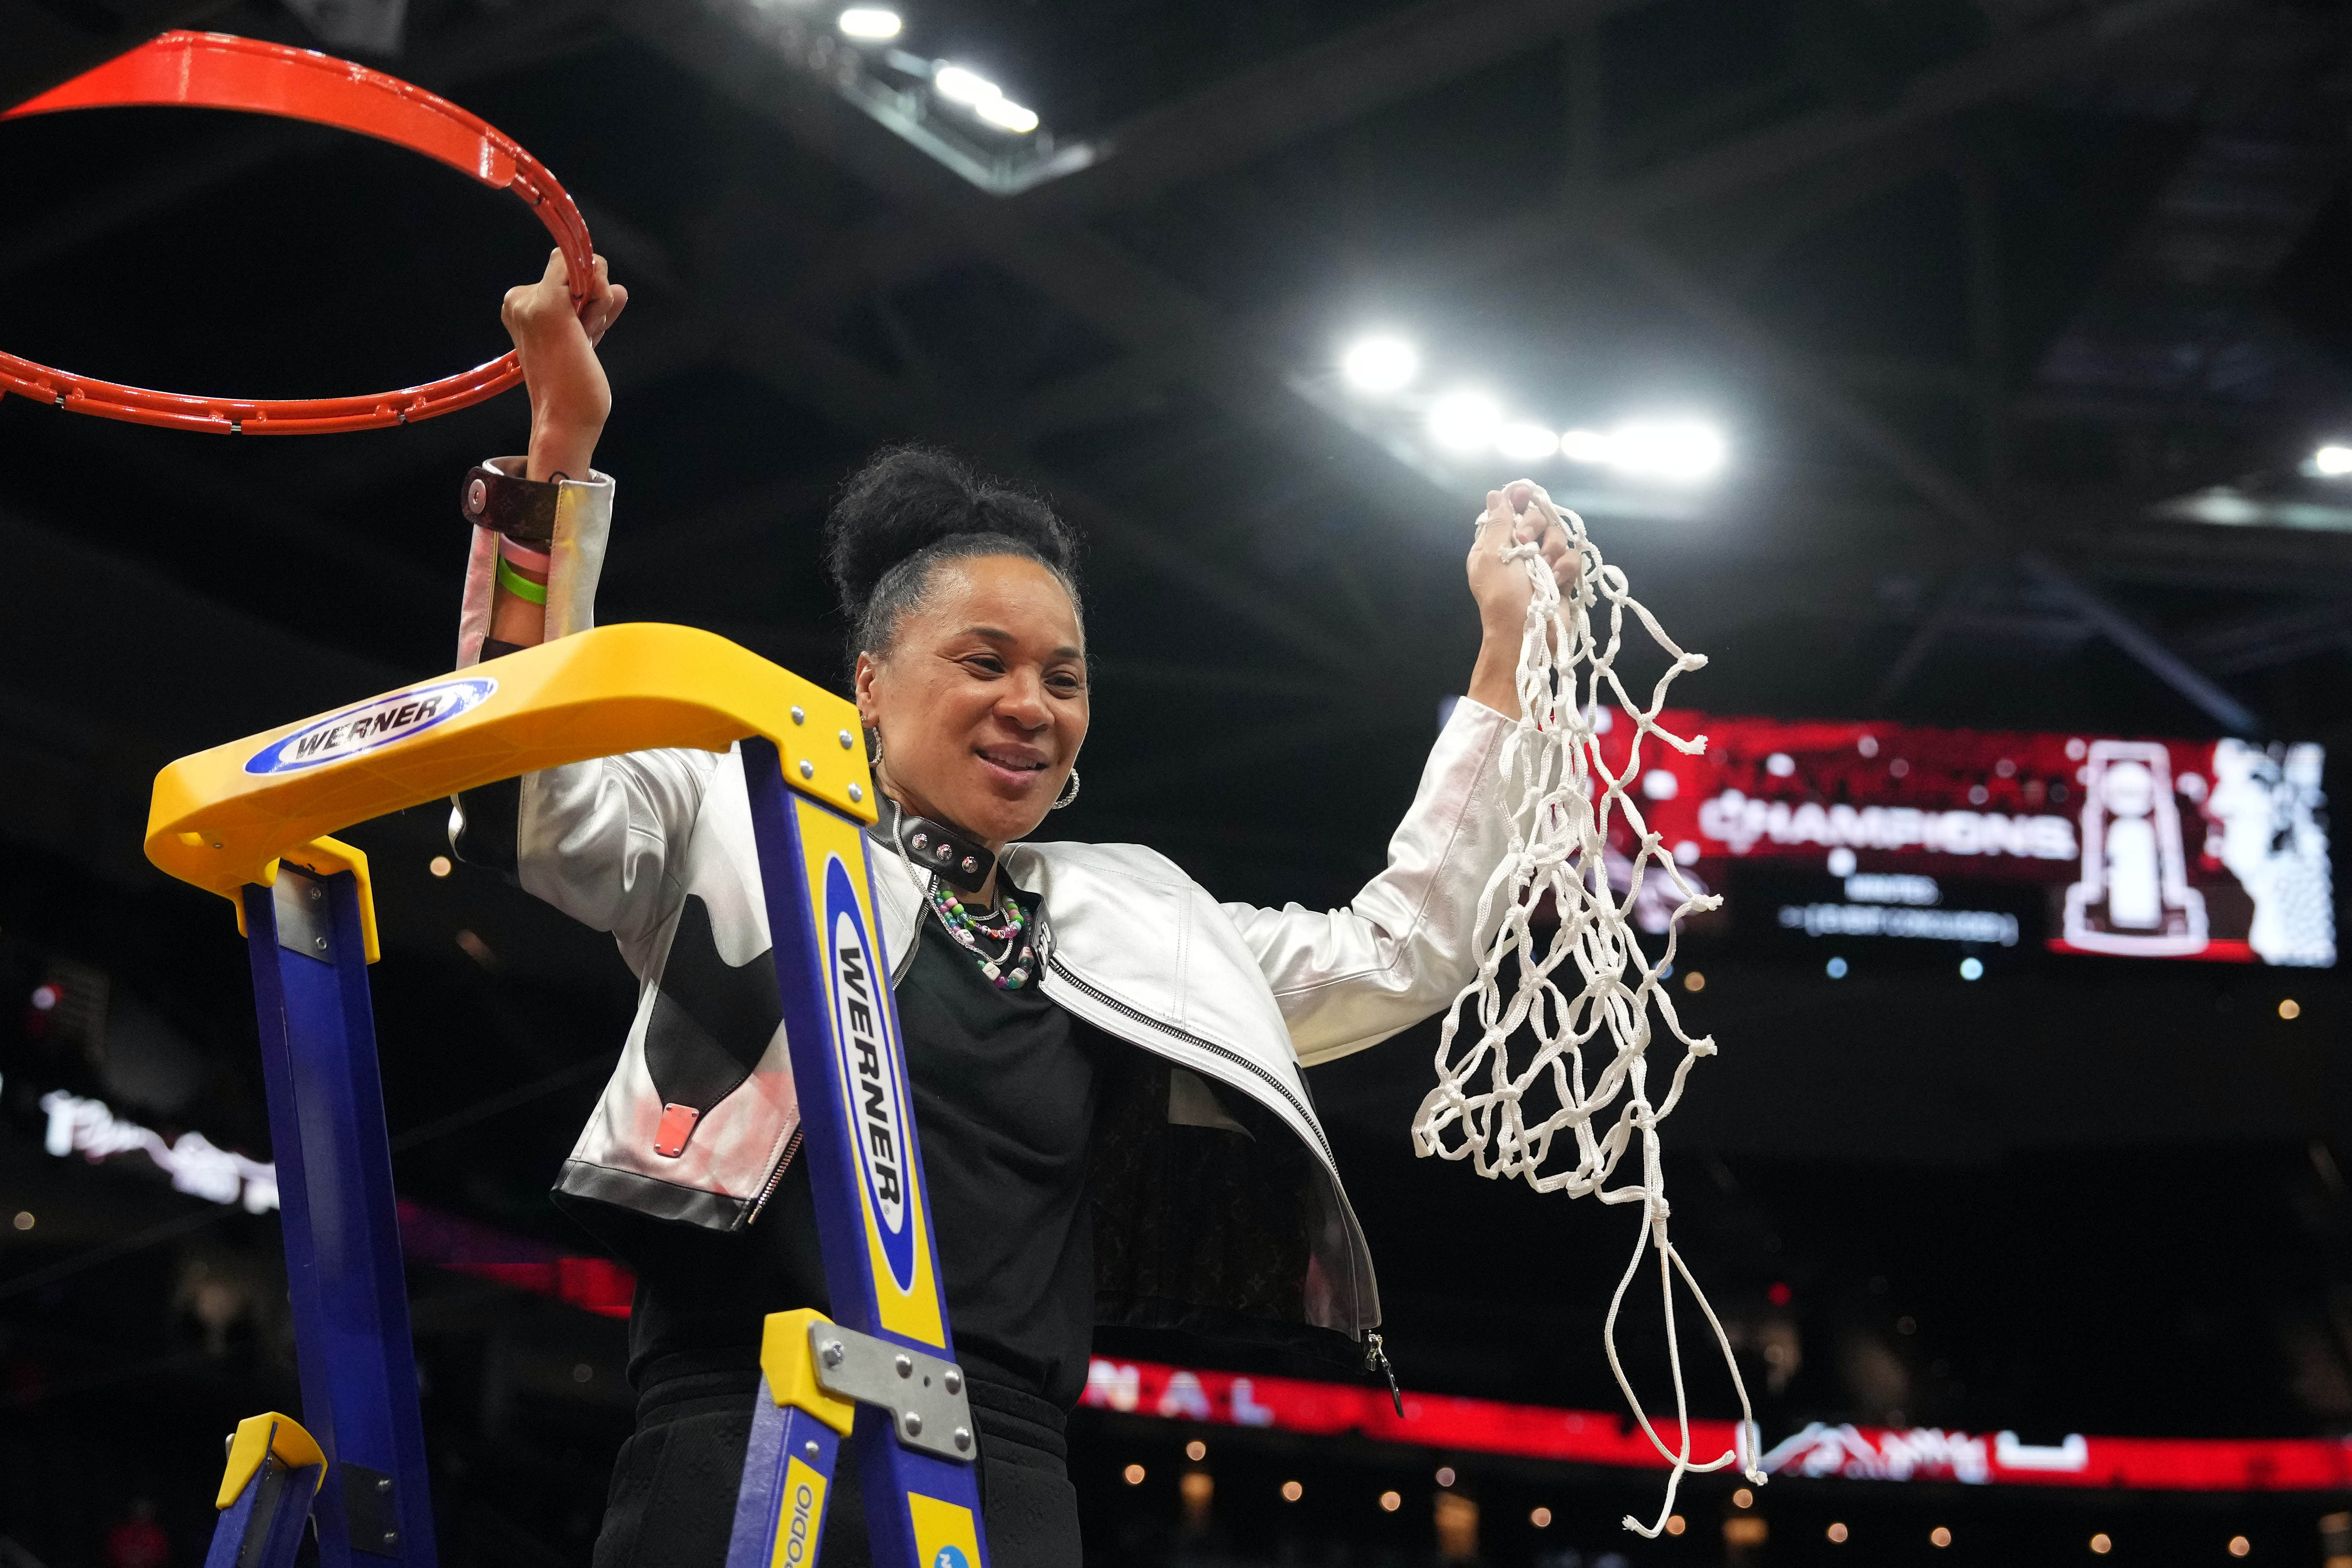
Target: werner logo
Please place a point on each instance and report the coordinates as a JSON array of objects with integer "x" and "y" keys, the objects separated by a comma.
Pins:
[
  {"x": 878, "y": 1113},
  {"x": 373, "y": 725}
]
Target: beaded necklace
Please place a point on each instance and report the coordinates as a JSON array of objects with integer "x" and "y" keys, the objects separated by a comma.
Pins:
[{"x": 1004, "y": 971}]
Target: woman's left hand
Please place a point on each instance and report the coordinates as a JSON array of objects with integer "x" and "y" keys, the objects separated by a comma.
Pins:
[{"x": 1518, "y": 513}]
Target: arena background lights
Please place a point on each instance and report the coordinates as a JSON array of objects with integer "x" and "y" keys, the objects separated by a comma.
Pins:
[
  {"x": 869, "y": 22},
  {"x": 1468, "y": 421}
]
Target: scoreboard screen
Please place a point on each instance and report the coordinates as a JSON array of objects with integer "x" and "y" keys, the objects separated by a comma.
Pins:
[{"x": 1886, "y": 835}]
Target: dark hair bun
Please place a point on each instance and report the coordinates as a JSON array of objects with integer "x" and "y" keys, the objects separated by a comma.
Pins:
[{"x": 908, "y": 497}]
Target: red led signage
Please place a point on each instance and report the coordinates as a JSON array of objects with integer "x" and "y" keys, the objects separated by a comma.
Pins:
[
  {"x": 2080, "y": 843},
  {"x": 1588, "y": 1437}
]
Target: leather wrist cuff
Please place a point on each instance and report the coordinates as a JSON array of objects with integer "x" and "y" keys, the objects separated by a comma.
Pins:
[{"x": 522, "y": 509}]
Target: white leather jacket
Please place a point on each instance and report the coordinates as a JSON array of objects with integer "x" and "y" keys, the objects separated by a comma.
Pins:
[{"x": 656, "y": 848}]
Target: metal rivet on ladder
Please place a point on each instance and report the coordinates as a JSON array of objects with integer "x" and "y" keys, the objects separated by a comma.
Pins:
[
  {"x": 318, "y": 893},
  {"x": 800, "y": 716},
  {"x": 809, "y": 1448},
  {"x": 914, "y": 1425},
  {"x": 831, "y": 1352},
  {"x": 962, "y": 1440},
  {"x": 384, "y": 1483},
  {"x": 319, "y": 942},
  {"x": 906, "y": 1366},
  {"x": 844, "y": 740},
  {"x": 954, "y": 1380},
  {"x": 858, "y": 792},
  {"x": 808, "y": 769}
]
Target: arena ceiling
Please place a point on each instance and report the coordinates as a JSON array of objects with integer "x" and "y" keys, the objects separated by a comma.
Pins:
[{"x": 2023, "y": 319}]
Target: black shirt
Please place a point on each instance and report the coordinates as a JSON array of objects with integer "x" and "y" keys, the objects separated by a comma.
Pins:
[{"x": 1006, "y": 1088}]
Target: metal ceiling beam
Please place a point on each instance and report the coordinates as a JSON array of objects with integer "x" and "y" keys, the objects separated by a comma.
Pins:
[
  {"x": 1550, "y": 226},
  {"x": 767, "y": 339},
  {"x": 1117, "y": 294},
  {"x": 1079, "y": 270},
  {"x": 2246, "y": 644},
  {"x": 781, "y": 351},
  {"x": 1232, "y": 121},
  {"x": 1943, "y": 491}
]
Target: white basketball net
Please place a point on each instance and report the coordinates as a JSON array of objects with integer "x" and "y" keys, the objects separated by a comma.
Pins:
[{"x": 1582, "y": 994}]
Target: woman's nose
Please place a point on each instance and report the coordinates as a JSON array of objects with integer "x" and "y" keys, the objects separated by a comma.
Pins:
[{"x": 1024, "y": 704}]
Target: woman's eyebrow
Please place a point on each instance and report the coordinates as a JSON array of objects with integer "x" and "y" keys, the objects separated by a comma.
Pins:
[{"x": 1002, "y": 638}]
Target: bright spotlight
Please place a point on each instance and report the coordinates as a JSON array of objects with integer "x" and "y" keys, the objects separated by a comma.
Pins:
[
  {"x": 1973, "y": 969},
  {"x": 1006, "y": 115},
  {"x": 1465, "y": 421},
  {"x": 1679, "y": 449},
  {"x": 1587, "y": 446},
  {"x": 2334, "y": 461},
  {"x": 957, "y": 85},
  {"x": 1675, "y": 450},
  {"x": 869, "y": 22},
  {"x": 1526, "y": 441},
  {"x": 1380, "y": 364}
]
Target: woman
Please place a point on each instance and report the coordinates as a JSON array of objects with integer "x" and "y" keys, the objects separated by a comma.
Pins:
[{"x": 1105, "y": 1062}]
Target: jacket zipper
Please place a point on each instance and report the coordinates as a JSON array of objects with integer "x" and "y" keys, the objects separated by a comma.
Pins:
[
  {"x": 1190, "y": 1038},
  {"x": 776, "y": 1176},
  {"x": 1376, "y": 1359}
]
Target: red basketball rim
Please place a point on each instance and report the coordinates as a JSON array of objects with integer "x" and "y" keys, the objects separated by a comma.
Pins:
[{"x": 216, "y": 71}]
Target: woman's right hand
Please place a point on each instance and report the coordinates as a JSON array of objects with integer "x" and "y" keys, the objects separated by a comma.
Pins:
[{"x": 569, "y": 396}]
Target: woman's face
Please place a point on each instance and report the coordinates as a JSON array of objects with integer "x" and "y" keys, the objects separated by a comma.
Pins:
[{"x": 981, "y": 699}]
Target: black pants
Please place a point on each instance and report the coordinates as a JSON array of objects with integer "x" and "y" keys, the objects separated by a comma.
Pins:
[{"x": 672, "y": 1503}]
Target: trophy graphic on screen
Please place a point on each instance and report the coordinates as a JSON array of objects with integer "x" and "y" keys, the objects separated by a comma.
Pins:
[{"x": 2134, "y": 898}]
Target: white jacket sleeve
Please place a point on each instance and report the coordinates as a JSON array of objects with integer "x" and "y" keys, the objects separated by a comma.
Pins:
[
  {"x": 595, "y": 838},
  {"x": 1406, "y": 946}
]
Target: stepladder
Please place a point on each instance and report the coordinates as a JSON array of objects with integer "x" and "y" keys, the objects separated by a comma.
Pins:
[{"x": 254, "y": 820}]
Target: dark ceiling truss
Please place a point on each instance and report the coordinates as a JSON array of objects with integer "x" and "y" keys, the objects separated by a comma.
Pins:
[
  {"x": 1038, "y": 237},
  {"x": 1169, "y": 335},
  {"x": 770, "y": 343},
  {"x": 1172, "y": 343},
  {"x": 1950, "y": 495}
]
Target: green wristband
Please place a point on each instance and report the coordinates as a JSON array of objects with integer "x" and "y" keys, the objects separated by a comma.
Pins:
[{"x": 520, "y": 586}]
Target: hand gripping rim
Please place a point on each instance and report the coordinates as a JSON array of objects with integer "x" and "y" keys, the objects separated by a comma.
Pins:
[{"x": 219, "y": 71}]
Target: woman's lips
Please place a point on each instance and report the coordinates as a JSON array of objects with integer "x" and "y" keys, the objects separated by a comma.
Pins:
[{"x": 1014, "y": 770}]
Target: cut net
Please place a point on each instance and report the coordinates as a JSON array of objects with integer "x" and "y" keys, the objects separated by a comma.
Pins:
[{"x": 1582, "y": 994}]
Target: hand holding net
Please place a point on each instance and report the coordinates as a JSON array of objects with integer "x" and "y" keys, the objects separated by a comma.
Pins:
[{"x": 1584, "y": 993}]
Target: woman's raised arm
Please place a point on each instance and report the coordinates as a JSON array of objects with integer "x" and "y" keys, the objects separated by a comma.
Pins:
[{"x": 1406, "y": 943}]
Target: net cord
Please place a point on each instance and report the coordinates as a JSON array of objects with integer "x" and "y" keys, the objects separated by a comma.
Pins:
[{"x": 1566, "y": 801}]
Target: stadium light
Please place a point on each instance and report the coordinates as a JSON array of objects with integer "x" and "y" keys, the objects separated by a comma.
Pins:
[
  {"x": 1465, "y": 421},
  {"x": 868, "y": 22},
  {"x": 1380, "y": 364},
  {"x": 957, "y": 85},
  {"x": 1677, "y": 449},
  {"x": 2332, "y": 460},
  {"x": 1006, "y": 115},
  {"x": 983, "y": 98},
  {"x": 1526, "y": 442}
]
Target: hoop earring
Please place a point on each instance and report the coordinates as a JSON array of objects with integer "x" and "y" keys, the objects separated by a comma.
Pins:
[
  {"x": 1069, "y": 791},
  {"x": 873, "y": 747}
]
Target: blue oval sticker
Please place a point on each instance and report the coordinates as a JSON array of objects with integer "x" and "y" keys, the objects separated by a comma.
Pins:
[
  {"x": 878, "y": 1102},
  {"x": 371, "y": 725}
]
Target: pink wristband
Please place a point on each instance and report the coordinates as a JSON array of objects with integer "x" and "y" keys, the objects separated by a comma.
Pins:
[{"x": 522, "y": 555}]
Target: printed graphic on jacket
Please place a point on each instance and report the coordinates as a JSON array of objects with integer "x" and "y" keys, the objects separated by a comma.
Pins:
[{"x": 711, "y": 1022}]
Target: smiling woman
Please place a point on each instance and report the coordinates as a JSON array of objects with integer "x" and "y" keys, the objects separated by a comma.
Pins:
[
  {"x": 971, "y": 671},
  {"x": 1104, "y": 1061}
]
